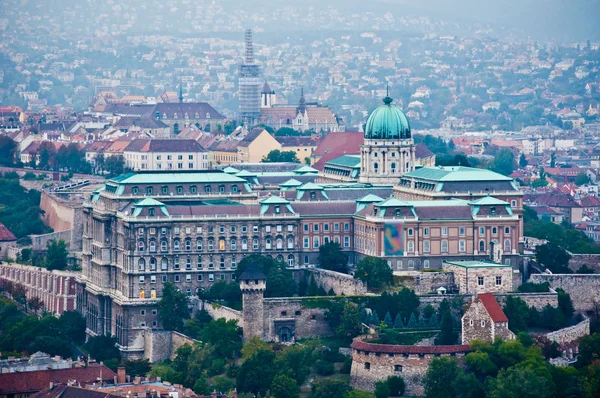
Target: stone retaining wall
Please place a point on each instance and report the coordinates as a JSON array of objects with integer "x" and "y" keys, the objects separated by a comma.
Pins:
[
  {"x": 584, "y": 289},
  {"x": 426, "y": 282},
  {"x": 162, "y": 344},
  {"x": 342, "y": 284},
  {"x": 308, "y": 322},
  {"x": 537, "y": 300},
  {"x": 571, "y": 333},
  {"x": 218, "y": 311},
  {"x": 40, "y": 242},
  {"x": 591, "y": 260}
]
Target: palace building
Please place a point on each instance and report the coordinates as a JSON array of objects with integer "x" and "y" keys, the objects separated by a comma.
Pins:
[{"x": 192, "y": 228}]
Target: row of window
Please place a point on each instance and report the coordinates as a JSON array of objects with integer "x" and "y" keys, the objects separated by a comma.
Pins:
[
  {"x": 185, "y": 115},
  {"x": 326, "y": 227},
  {"x": 270, "y": 244},
  {"x": 193, "y": 189},
  {"x": 233, "y": 229},
  {"x": 188, "y": 278},
  {"x": 317, "y": 241},
  {"x": 164, "y": 263},
  {"x": 481, "y": 281},
  {"x": 179, "y": 157}
]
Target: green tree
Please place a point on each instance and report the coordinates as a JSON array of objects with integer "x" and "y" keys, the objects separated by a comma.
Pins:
[
  {"x": 224, "y": 336},
  {"x": 329, "y": 388},
  {"x": 8, "y": 149},
  {"x": 103, "y": 348},
  {"x": 522, "y": 382},
  {"x": 256, "y": 373},
  {"x": 297, "y": 361},
  {"x": 582, "y": 179},
  {"x": 382, "y": 390},
  {"x": 553, "y": 160},
  {"x": 447, "y": 335},
  {"x": 284, "y": 387},
  {"x": 56, "y": 255},
  {"x": 553, "y": 257},
  {"x": 517, "y": 312},
  {"x": 440, "y": 378},
  {"x": 480, "y": 363},
  {"x": 397, "y": 385},
  {"x": 349, "y": 326},
  {"x": 114, "y": 165},
  {"x": 173, "y": 308},
  {"x": 589, "y": 350},
  {"x": 137, "y": 367},
  {"x": 522, "y": 161},
  {"x": 332, "y": 257},
  {"x": 504, "y": 162},
  {"x": 286, "y": 131},
  {"x": 281, "y": 156},
  {"x": 375, "y": 272},
  {"x": 73, "y": 326}
]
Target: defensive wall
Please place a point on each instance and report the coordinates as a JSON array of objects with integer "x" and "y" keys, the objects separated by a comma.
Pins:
[
  {"x": 537, "y": 300},
  {"x": 571, "y": 333},
  {"x": 376, "y": 362},
  {"x": 61, "y": 215},
  {"x": 591, "y": 260},
  {"x": 162, "y": 344},
  {"x": 218, "y": 311},
  {"x": 342, "y": 284},
  {"x": 40, "y": 242},
  {"x": 426, "y": 282},
  {"x": 583, "y": 288},
  {"x": 296, "y": 314}
]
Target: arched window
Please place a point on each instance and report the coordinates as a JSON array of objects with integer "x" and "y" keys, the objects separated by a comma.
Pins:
[
  {"x": 152, "y": 264},
  {"x": 393, "y": 165},
  {"x": 221, "y": 244},
  {"x": 255, "y": 244},
  {"x": 426, "y": 246},
  {"x": 164, "y": 264},
  {"x": 164, "y": 246},
  {"x": 149, "y": 191},
  {"x": 176, "y": 245},
  {"x": 141, "y": 246},
  {"x": 188, "y": 244},
  {"x": 411, "y": 247},
  {"x": 481, "y": 246},
  {"x": 290, "y": 244},
  {"x": 291, "y": 260},
  {"x": 234, "y": 188},
  {"x": 279, "y": 243},
  {"x": 199, "y": 244},
  {"x": 211, "y": 245},
  {"x": 494, "y": 231},
  {"x": 244, "y": 244},
  {"x": 375, "y": 167},
  {"x": 207, "y": 189},
  {"x": 507, "y": 246},
  {"x": 426, "y": 264},
  {"x": 221, "y": 188},
  {"x": 135, "y": 190},
  {"x": 411, "y": 264},
  {"x": 233, "y": 244},
  {"x": 222, "y": 262},
  {"x": 268, "y": 243},
  {"x": 193, "y": 189},
  {"x": 165, "y": 190},
  {"x": 507, "y": 230},
  {"x": 179, "y": 190},
  {"x": 188, "y": 263},
  {"x": 141, "y": 264},
  {"x": 152, "y": 246},
  {"x": 196, "y": 115}
]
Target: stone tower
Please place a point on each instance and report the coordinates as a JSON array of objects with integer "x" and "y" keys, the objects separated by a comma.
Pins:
[
  {"x": 253, "y": 283},
  {"x": 389, "y": 150}
]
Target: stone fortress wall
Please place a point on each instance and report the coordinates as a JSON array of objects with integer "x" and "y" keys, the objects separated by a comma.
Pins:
[
  {"x": 162, "y": 344},
  {"x": 537, "y": 300},
  {"x": 342, "y": 284},
  {"x": 426, "y": 282},
  {"x": 291, "y": 312},
  {"x": 571, "y": 333},
  {"x": 591, "y": 260},
  {"x": 376, "y": 362},
  {"x": 583, "y": 288},
  {"x": 218, "y": 311}
]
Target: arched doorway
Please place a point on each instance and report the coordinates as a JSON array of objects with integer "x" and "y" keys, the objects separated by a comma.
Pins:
[{"x": 285, "y": 335}]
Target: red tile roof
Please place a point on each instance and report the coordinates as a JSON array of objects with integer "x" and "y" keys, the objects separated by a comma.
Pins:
[
  {"x": 13, "y": 383},
  {"x": 337, "y": 144},
  {"x": 5, "y": 234},
  {"x": 492, "y": 307},
  {"x": 362, "y": 345}
]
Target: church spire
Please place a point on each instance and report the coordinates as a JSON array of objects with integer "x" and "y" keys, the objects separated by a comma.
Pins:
[
  {"x": 181, "y": 91},
  {"x": 302, "y": 103}
]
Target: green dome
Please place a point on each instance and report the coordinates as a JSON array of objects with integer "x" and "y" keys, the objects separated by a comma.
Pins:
[{"x": 387, "y": 122}]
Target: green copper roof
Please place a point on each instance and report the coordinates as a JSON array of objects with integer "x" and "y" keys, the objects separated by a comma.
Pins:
[
  {"x": 345, "y": 161},
  {"x": 489, "y": 200},
  {"x": 149, "y": 202},
  {"x": 230, "y": 170},
  {"x": 305, "y": 169},
  {"x": 477, "y": 264},
  {"x": 370, "y": 198},
  {"x": 456, "y": 173},
  {"x": 310, "y": 185},
  {"x": 393, "y": 202},
  {"x": 166, "y": 178},
  {"x": 292, "y": 182},
  {"x": 387, "y": 122},
  {"x": 246, "y": 173},
  {"x": 273, "y": 199}
]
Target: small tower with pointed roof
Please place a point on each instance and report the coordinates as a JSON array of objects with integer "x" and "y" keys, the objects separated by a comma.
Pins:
[
  {"x": 267, "y": 96},
  {"x": 253, "y": 284}
]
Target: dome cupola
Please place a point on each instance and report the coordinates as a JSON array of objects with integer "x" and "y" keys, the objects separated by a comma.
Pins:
[{"x": 387, "y": 122}]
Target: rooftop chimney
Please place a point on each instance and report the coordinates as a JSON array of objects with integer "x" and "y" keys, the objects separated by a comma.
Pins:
[{"x": 121, "y": 375}]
